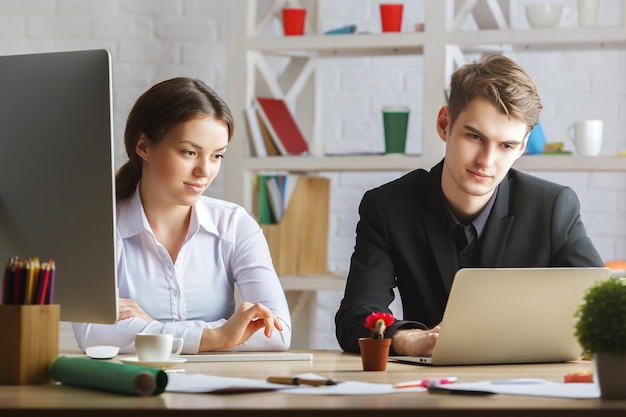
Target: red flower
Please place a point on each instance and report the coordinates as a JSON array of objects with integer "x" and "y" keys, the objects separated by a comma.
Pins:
[
  {"x": 377, "y": 322},
  {"x": 370, "y": 321}
]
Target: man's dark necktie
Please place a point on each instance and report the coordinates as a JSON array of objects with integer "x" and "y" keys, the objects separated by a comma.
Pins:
[{"x": 465, "y": 239}]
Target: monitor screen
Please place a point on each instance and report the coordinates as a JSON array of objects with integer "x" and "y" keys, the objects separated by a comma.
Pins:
[{"x": 57, "y": 189}]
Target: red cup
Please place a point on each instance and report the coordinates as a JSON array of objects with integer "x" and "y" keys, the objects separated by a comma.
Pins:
[
  {"x": 293, "y": 20},
  {"x": 391, "y": 17}
]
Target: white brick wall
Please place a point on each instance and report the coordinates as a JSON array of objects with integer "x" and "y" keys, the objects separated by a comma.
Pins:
[{"x": 151, "y": 40}]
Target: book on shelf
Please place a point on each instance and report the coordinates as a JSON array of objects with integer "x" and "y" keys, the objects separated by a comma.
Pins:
[
  {"x": 275, "y": 192},
  {"x": 256, "y": 136},
  {"x": 298, "y": 243},
  {"x": 270, "y": 146},
  {"x": 260, "y": 138},
  {"x": 281, "y": 126},
  {"x": 264, "y": 210},
  {"x": 275, "y": 189}
]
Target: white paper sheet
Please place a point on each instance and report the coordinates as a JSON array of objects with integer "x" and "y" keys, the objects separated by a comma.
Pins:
[
  {"x": 348, "y": 388},
  {"x": 201, "y": 383},
  {"x": 352, "y": 388},
  {"x": 528, "y": 386}
]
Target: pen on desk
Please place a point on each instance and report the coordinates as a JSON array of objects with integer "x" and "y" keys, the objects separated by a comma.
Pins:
[
  {"x": 287, "y": 380},
  {"x": 427, "y": 382}
]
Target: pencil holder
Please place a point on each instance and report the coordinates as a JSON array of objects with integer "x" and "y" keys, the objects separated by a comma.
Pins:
[{"x": 30, "y": 343}]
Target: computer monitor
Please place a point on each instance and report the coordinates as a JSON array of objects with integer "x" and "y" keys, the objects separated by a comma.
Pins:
[{"x": 57, "y": 176}]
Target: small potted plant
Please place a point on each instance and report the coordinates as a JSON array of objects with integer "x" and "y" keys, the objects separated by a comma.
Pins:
[
  {"x": 375, "y": 349},
  {"x": 601, "y": 331}
]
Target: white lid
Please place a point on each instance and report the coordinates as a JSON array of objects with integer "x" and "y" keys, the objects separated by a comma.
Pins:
[{"x": 399, "y": 109}]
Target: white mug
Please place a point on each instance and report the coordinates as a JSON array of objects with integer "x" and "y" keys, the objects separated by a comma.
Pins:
[
  {"x": 587, "y": 137},
  {"x": 588, "y": 13},
  {"x": 156, "y": 347}
]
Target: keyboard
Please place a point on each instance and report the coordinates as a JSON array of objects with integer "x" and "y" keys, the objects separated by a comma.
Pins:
[{"x": 248, "y": 357}]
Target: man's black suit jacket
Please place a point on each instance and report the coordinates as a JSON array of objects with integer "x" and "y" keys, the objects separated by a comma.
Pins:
[{"x": 403, "y": 239}]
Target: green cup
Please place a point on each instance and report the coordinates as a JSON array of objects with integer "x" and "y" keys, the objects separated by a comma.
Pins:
[{"x": 395, "y": 123}]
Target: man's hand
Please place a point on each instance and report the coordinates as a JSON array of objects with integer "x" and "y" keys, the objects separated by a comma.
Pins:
[
  {"x": 129, "y": 308},
  {"x": 247, "y": 320},
  {"x": 415, "y": 342}
]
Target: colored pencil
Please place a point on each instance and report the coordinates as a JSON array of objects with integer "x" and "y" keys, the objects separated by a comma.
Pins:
[
  {"x": 17, "y": 281},
  {"x": 45, "y": 279},
  {"x": 7, "y": 287},
  {"x": 50, "y": 292}
]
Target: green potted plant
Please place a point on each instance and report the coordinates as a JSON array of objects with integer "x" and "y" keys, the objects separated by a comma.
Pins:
[
  {"x": 601, "y": 331},
  {"x": 375, "y": 349}
]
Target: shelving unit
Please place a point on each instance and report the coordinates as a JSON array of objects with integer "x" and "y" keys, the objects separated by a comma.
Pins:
[
  {"x": 436, "y": 45},
  {"x": 442, "y": 50}
]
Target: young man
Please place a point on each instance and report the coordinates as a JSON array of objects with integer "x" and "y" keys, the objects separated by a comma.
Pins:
[{"x": 470, "y": 210}]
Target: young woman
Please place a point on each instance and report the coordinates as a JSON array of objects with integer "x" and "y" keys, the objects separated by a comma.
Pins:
[{"x": 180, "y": 254}]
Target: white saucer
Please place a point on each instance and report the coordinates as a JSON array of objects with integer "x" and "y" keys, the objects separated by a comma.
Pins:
[{"x": 173, "y": 361}]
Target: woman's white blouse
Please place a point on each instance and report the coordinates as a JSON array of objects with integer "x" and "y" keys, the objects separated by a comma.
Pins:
[{"x": 224, "y": 246}]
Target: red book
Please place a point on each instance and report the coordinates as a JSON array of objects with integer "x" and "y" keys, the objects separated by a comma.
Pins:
[{"x": 282, "y": 126}]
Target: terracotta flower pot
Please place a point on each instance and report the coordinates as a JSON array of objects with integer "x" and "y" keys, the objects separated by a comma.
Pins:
[
  {"x": 374, "y": 353},
  {"x": 610, "y": 370}
]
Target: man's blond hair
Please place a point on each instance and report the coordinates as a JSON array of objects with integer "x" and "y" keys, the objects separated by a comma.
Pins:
[{"x": 501, "y": 81}]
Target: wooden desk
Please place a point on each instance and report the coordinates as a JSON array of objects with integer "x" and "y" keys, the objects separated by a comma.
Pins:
[{"x": 44, "y": 400}]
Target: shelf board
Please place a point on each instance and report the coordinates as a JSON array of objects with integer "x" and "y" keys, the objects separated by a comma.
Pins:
[
  {"x": 412, "y": 43},
  {"x": 341, "y": 45},
  {"x": 340, "y": 163},
  {"x": 543, "y": 39},
  {"x": 405, "y": 163},
  {"x": 571, "y": 163},
  {"x": 313, "y": 282}
]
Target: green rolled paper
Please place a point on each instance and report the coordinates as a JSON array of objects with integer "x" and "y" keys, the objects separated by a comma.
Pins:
[{"x": 108, "y": 376}]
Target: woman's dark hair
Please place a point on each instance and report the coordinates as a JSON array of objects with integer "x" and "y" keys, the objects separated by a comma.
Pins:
[{"x": 158, "y": 110}]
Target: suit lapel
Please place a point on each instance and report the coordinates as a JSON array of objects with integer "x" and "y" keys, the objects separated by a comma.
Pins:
[
  {"x": 443, "y": 248},
  {"x": 436, "y": 224},
  {"x": 497, "y": 229}
]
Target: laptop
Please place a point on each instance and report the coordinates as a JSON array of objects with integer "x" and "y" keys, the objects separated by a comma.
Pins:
[{"x": 511, "y": 315}]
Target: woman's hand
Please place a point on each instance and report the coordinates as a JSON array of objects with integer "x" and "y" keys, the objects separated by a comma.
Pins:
[
  {"x": 128, "y": 308},
  {"x": 415, "y": 342},
  {"x": 247, "y": 320}
]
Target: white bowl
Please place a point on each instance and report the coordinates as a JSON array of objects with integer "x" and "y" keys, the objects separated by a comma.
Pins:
[{"x": 541, "y": 16}]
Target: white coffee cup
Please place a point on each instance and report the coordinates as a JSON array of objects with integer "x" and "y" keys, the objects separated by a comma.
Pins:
[
  {"x": 156, "y": 347},
  {"x": 587, "y": 137},
  {"x": 588, "y": 12}
]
